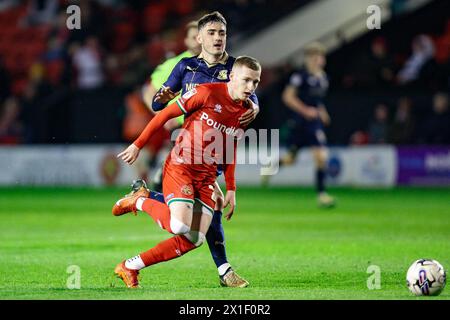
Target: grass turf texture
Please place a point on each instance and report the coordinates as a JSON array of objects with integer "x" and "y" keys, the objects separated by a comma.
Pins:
[{"x": 278, "y": 239}]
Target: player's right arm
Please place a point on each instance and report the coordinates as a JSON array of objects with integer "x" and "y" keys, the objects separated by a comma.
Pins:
[
  {"x": 130, "y": 154},
  {"x": 170, "y": 88},
  {"x": 290, "y": 98}
]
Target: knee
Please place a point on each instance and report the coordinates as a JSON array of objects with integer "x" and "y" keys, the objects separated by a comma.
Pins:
[
  {"x": 288, "y": 159},
  {"x": 178, "y": 227},
  {"x": 197, "y": 238},
  {"x": 321, "y": 159}
]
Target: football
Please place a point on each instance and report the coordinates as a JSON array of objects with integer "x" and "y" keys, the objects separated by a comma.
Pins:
[{"x": 426, "y": 277}]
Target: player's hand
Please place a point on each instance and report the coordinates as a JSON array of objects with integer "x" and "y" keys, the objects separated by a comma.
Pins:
[
  {"x": 230, "y": 199},
  {"x": 310, "y": 113},
  {"x": 325, "y": 117},
  {"x": 250, "y": 114},
  {"x": 130, "y": 154},
  {"x": 164, "y": 95}
]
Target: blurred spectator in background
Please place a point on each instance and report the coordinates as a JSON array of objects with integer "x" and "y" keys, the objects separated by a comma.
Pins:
[
  {"x": 6, "y": 4},
  {"x": 137, "y": 67},
  {"x": 88, "y": 64},
  {"x": 402, "y": 128},
  {"x": 422, "y": 52},
  {"x": 377, "y": 68},
  {"x": 358, "y": 138},
  {"x": 436, "y": 128},
  {"x": 34, "y": 110},
  {"x": 41, "y": 12},
  {"x": 378, "y": 127},
  {"x": 10, "y": 124}
]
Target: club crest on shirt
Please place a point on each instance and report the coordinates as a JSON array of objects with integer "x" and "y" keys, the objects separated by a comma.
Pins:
[
  {"x": 223, "y": 75},
  {"x": 186, "y": 190},
  {"x": 218, "y": 108}
]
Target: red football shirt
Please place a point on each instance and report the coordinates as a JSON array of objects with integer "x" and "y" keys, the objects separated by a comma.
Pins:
[{"x": 208, "y": 135}]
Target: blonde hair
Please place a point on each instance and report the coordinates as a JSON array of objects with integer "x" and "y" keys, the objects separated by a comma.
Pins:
[
  {"x": 191, "y": 25},
  {"x": 315, "y": 48},
  {"x": 249, "y": 62}
]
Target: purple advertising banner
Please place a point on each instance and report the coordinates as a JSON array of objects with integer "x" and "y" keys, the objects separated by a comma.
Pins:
[{"x": 426, "y": 166}]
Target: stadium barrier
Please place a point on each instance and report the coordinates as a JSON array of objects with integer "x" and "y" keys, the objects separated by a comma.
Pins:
[{"x": 97, "y": 165}]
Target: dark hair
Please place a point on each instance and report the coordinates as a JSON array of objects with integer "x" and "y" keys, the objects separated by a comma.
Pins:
[
  {"x": 215, "y": 16},
  {"x": 249, "y": 62}
]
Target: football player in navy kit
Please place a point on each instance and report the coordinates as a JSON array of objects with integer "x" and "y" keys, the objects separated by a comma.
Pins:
[{"x": 304, "y": 96}]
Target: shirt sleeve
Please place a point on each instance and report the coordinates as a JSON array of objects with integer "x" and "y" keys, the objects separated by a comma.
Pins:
[
  {"x": 254, "y": 98},
  {"x": 296, "y": 80},
  {"x": 193, "y": 99},
  {"x": 174, "y": 82}
]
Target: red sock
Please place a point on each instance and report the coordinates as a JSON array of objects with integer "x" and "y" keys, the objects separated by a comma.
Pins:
[
  {"x": 159, "y": 212},
  {"x": 167, "y": 250}
]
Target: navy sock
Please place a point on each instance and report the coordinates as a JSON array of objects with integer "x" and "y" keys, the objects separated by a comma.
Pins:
[
  {"x": 320, "y": 180},
  {"x": 216, "y": 239},
  {"x": 158, "y": 196}
]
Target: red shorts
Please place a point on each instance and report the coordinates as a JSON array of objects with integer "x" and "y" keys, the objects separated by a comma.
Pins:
[{"x": 181, "y": 185}]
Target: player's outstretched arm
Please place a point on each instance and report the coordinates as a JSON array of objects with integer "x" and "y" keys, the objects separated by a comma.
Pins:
[
  {"x": 130, "y": 154},
  {"x": 164, "y": 95}
]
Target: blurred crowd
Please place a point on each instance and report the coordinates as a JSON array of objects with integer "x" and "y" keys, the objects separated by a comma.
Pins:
[
  {"x": 426, "y": 69},
  {"x": 42, "y": 62},
  {"x": 404, "y": 127},
  {"x": 118, "y": 46}
]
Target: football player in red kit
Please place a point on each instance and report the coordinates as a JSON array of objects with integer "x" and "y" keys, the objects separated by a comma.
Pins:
[{"x": 212, "y": 113}]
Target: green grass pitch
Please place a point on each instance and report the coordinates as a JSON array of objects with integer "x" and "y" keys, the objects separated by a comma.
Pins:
[{"x": 278, "y": 239}]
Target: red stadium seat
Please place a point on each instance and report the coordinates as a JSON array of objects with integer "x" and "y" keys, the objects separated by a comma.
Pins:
[
  {"x": 19, "y": 85},
  {"x": 182, "y": 8},
  {"x": 156, "y": 51},
  {"x": 123, "y": 36},
  {"x": 154, "y": 17},
  {"x": 54, "y": 70}
]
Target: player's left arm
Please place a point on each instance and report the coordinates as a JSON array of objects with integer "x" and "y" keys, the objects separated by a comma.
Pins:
[
  {"x": 251, "y": 113},
  {"x": 324, "y": 115},
  {"x": 230, "y": 181}
]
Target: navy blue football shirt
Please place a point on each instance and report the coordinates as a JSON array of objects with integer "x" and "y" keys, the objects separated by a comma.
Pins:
[{"x": 190, "y": 72}]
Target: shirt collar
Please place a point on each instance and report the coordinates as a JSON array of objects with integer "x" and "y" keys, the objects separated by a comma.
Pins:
[{"x": 222, "y": 60}]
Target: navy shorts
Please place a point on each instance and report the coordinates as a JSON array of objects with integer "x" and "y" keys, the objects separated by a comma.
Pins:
[{"x": 303, "y": 133}]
